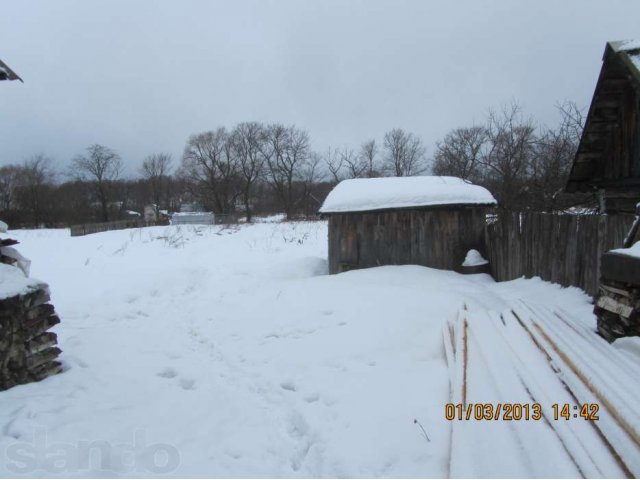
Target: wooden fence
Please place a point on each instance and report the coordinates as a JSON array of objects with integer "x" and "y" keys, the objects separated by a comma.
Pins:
[
  {"x": 88, "y": 228},
  {"x": 564, "y": 249}
]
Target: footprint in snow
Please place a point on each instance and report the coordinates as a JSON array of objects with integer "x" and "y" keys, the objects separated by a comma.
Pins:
[
  {"x": 188, "y": 384},
  {"x": 312, "y": 398},
  {"x": 168, "y": 373},
  {"x": 288, "y": 385}
]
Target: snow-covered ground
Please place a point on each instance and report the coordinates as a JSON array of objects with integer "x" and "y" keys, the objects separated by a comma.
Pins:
[{"x": 230, "y": 352}]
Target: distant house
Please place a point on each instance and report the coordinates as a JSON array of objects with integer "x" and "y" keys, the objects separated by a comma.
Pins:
[
  {"x": 430, "y": 221},
  {"x": 193, "y": 218},
  {"x": 608, "y": 157},
  {"x": 152, "y": 214},
  {"x": 6, "y": 73}
]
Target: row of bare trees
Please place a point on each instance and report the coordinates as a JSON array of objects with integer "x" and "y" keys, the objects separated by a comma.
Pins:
[
  {"x": 223, "y": 168},
  {"x": 268, "y": 168},
  {"x": 403, "y": 155},
  {"x": 524, "y": 165}
]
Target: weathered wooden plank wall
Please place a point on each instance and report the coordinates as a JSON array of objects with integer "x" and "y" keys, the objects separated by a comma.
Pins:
[
  {"x": 564, "y": 249},
  {"x": 435, "y": 237}
]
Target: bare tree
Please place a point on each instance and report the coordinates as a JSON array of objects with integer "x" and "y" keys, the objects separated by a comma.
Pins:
[
  {"x": 355, "y": 165},
  {"x": 156, "y": 169},
  {"x": 334, "y": 163},
  {"x": 101, "y": 166},
  {"x": 288, "y": 152},
  {"x": 404, "y": 153},
  {"x": 211, "y": 168},
  {"x": 507, "y": 159},
  {"x": 555, "y": 150},
  {"x": 310, "y": 177},
  {"x": 368, "y": 155},
  {"x": 9, "y": 179},
  {"x": 459, "y": 153},
  {"x": 247, "y": 142},
  {"x": 35, "y": 181}
]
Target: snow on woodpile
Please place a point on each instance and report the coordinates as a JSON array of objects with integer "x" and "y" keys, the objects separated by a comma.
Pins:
[
  {"x": 14, "y": 282},
  {"x": 633, "y": 251},
  {"x": 364, "y": 194},
  {"x": 28, "y": 349}
]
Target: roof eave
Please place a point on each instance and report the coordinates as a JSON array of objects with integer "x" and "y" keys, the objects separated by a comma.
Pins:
[{"x": 11, "y": 75}]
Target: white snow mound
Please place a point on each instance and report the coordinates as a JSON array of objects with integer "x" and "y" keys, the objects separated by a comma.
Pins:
[
  {"x": 474, "y": 259},
  {"x": 632, "y": 251}
]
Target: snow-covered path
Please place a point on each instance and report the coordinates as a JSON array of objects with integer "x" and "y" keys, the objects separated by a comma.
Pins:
[{"x": 235, "y": 348}]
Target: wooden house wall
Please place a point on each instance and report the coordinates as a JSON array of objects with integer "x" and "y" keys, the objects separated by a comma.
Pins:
[
  {"x": 608, "y": 156},
  {"x": 436, "y": 237}
]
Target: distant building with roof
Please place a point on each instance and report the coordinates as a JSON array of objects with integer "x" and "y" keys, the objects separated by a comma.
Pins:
[{"x": 430, "y": 221}]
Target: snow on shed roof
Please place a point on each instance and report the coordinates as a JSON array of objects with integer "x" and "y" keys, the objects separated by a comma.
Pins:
[{"x": 366, "y": 194}]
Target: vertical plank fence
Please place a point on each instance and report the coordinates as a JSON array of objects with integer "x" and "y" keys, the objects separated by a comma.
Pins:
[
  {"x": 560, "y": 248},
  {"x": 89, "y": 228}
]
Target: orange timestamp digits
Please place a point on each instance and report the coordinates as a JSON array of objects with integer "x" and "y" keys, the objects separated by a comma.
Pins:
[
  {"x": 587, "y": 411},
  {"x": 491, "y": 411}
]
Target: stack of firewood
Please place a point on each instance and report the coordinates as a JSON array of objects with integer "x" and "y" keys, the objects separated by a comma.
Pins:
[
  {"x": 28, "y": 351},
  {"x": 617, "y": 309},
  {"x": 618, "y": 303}
]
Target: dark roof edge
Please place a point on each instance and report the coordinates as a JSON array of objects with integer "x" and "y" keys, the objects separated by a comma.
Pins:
[{"x": 11, "y": 74}]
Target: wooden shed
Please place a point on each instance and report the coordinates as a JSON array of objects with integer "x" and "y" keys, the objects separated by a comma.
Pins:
[
  {"x": 608, "y": 157},
  {"x": 430, "y": 221}
]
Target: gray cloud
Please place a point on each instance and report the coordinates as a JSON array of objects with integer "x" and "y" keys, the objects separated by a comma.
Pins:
[{"x": 141, "y": 76}]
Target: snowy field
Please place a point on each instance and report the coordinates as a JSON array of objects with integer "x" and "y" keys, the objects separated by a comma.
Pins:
[{"x": 232, "y": 349}]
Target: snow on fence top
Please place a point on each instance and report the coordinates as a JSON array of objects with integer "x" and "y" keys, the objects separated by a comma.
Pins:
[{"x": 365, "y": 194}]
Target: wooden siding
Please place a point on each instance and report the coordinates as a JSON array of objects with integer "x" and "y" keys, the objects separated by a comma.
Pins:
[
  {"x": 564, "y": 249},
  {"x": 435, "y": 237}
]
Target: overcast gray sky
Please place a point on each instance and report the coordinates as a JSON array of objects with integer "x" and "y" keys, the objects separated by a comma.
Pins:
[{"x": 141, "y": 76}]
